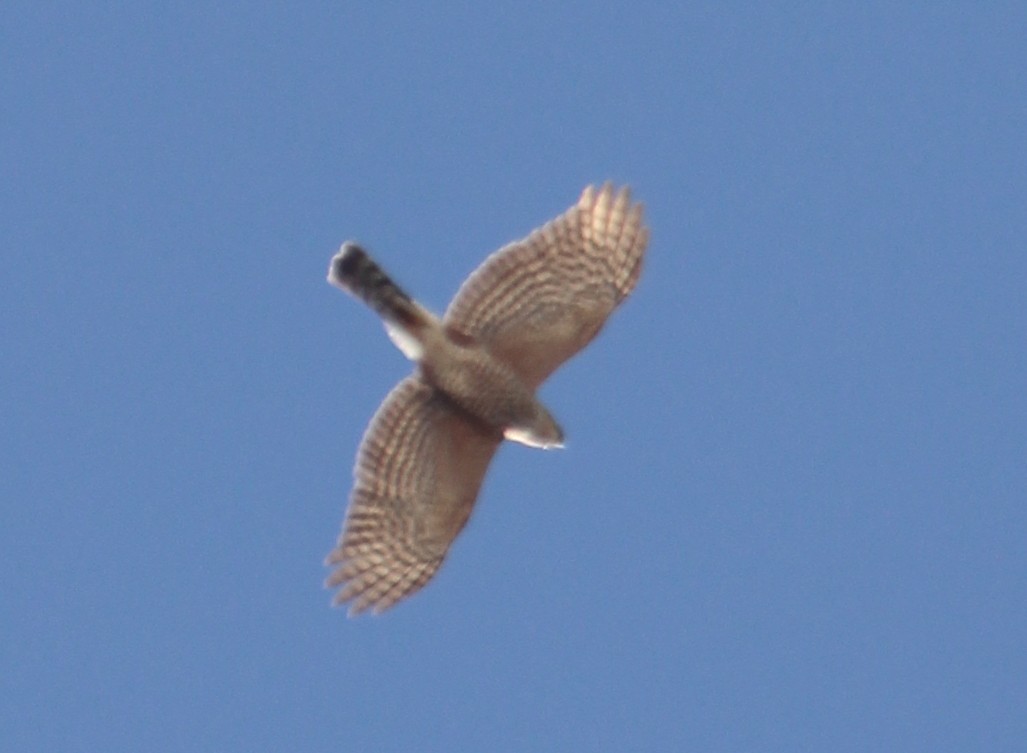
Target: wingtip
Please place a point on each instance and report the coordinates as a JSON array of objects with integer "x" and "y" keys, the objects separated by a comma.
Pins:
[
  {"x": 605, "y": 193},
  {"x": 587, "y": 196}
]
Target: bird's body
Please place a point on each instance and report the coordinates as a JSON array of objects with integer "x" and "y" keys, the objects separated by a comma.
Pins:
[
  {"x": 527, "y": 309},
  {"x": 489, "y": 390},
  {"x": 452, "y": 361}
]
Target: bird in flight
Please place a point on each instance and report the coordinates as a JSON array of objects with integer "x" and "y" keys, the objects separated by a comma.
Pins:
[{"x": 528, "y": 308}]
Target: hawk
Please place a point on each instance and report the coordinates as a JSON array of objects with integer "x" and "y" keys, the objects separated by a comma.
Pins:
[{"x": 528, "y": 308}]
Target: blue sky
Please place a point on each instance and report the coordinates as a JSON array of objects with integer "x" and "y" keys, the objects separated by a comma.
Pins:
[{"x": 791, "y": 513}]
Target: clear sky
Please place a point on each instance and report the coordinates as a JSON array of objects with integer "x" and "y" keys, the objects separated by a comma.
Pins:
[{"x": 791, "y": 514}]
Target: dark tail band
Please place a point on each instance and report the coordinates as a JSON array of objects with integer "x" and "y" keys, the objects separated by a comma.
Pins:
[{"x": 358, "y": 274}]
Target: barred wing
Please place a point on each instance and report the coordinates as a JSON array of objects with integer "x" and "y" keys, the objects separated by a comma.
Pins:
[
  {"x": 418, "y": 472},
  {"x": 538, "y": 301}
]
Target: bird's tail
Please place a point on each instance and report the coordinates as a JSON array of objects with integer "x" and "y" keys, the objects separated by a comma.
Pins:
[{"x": 354, "y": 271}]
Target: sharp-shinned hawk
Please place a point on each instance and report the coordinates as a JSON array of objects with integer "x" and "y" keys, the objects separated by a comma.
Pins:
[{"x": 528, "y": 308}]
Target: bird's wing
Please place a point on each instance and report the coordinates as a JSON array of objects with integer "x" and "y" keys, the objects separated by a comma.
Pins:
[
  {"x": 418, "y": 472},
  {"x": 538, "y": 301}
]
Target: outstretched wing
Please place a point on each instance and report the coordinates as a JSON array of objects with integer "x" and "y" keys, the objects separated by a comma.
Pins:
[
  {"x": 418, "y": 472},
  {"x": 538, "y": 301}
]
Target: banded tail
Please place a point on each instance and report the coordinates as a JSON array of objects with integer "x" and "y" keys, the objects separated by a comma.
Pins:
[{"x": 354, "y": 271}]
